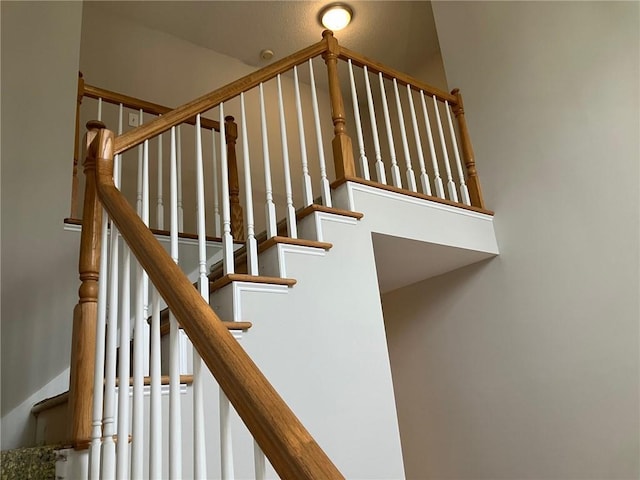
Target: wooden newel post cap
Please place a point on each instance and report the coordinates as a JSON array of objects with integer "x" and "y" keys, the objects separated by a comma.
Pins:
[
  {"x": 95, "y": 125},
  {"x": 327, "y": 33},
  {"x": 229, "y": 118}
]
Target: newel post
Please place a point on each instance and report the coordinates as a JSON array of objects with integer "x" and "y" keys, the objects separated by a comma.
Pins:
[
  {"x": 76, "y": 149},
  {"x": 237, "y": 216},
  {"x": 341, "y": 143},
  {"x": 473, "y": 182},
  {"x": 83, "y": 343}
]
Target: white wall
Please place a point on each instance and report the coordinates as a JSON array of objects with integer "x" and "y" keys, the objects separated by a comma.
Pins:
[
  {"x": 40, "y": 52},
  {"x": 526, "y": 366}
]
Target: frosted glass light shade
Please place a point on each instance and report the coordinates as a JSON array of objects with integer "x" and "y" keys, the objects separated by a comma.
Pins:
[{"x": 336, "y": 17}]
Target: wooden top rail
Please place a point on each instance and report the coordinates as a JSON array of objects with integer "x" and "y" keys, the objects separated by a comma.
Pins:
[
  {"x": 390, "y": 73},
  {"x": 292, "y": 451},
  {"x": 137, "y": 104},
  {"x": 161, "y": 124}
]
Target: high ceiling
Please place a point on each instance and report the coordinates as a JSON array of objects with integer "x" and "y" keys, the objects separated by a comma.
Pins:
[{"x": 400, "y": 34}]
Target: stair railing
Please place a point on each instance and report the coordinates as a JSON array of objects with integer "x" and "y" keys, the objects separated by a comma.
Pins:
[
  {"x": 289, "y": 447},
  {"x": 141, "y": 109}
]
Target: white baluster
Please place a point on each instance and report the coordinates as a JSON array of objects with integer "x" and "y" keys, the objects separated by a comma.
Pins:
[
  {"x": 108, "y": 454},
  {"x": 411, "y": 178},
  {"x": 270, "y": 207},
  {"x": 160, "y": 199},
  {"x": 175, "y": 428},
  {"x": 227, "y": 239},
  {"x": 292, "y": 229},
  {"x": 199, "y": 453},
  {"x": 217, "y": 223},
  {"x": 464, "y": 191},
  {"x": 124, "y": 366},
  {"x": 124, "y": 361},
  {"x": 324, "y": 181},
  {"x": 252, "y": 247},
  {"x": 451, "y": 186},
  {"x": 98, "y": 378},
  {"x": 307, "y": 193},
  {"x": 140, "y": 176},
  {"x": 364, "y": 163},
  {"x": 179, "y": 172},
  {"x": 380, "y": 172},
  {"x": 259, "y": 462},
  {"x": 226, "y": 453},
  {"x": 424, "y": 178},
  {"x": 437, "y": 180},
  {"x": 395, "y": 170},
  {"x": 155, "y": 428}
]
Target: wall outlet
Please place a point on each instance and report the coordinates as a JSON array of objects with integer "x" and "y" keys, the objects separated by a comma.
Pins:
[{"x": 133, "y": 120}]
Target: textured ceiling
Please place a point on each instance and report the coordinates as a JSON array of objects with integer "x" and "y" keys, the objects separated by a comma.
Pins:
[{"x": 397, "y": 33}]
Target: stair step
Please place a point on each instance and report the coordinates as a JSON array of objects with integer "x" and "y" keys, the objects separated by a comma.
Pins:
[
  {"x": 63, "y": 398},
  {"x": 241, "y": 277},
  {"x": 300, "y": 214}
]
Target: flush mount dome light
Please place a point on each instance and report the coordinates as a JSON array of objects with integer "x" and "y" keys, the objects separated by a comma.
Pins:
[{"x": 336, "y": 16}]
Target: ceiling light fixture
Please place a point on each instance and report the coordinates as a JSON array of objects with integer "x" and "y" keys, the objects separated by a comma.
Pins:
[{"x": 336, "y": 16}]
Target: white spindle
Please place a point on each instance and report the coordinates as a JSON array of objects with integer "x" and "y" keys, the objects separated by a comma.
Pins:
[
  {"x": 411, "y": 178},
  {"x": 451, "y": 186},
  {"x": 179, "y": 173},
  {"x": 227, "y": 239},
  {"x": 175, "y": 428},
  {"x": 226, "y": 452},
  {"x": 364, "y": 163},
  {"x": 395, "y": 170},
  {"x": 98, "y": 378},
  {"x": 124, "y": 360},
  {"x": 270, "y": 207},
  {"x": 292, "y": 229},
  {"x": 108, "y": 454},
  {"x": 424, "y": 178},
  {"x": 217, "y": 225},
  {"x": 307, "y": 192},
  {"x": 464, "y": 191},
  {"x": 124, "y": 365},
  {"x": 100, "y": 109},
  {"x": 252, "y": 248},
  {"x": 324, "y": 181},
  {"x": 259, "y": 462},
  {"x": 140, "y": 176},
  {"x": 140, "y": 337},
  {"x": 155, "y": 428},
  {"x": 203, "y": 284},
  {"x": 437, "y": 180},
  {"x": 160, "y": 199},
  {"x": 380, "y": 172}
]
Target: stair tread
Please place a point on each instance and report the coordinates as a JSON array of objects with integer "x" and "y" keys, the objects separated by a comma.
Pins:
[{"x": 242, "y": 277}]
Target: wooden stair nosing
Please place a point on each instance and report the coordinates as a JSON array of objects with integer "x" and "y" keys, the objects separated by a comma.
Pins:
[
  {"x": 165, "y": 326},
  {"x": 242, "y": 277}
]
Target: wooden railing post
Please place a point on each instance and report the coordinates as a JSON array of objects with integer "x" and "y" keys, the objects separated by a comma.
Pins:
[
  {"x": 76, "y": 148},
  {"x": 86, "y": 311},
  {"x": 341, "y": 143},
  {"x": 473, "y": 182},
  {"x": 237, "y": 216}
]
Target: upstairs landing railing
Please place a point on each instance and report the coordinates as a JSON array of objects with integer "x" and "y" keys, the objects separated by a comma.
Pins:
[{"x": 420, "y": 120}]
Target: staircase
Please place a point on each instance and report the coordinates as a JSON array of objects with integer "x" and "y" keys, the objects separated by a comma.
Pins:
[{"x": 302, "y": 298}]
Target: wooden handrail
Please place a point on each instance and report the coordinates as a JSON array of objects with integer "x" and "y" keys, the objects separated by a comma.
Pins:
[
  {"x": 391, "y": 73},
  {"x": 135, "y": 103},
  {"x": 149, "y": 130},
  {"x": 292, "y": 451}
]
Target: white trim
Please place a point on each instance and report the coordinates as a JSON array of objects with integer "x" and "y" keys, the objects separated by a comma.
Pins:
[
  {"x": 299, "y": 249},
  {"x": 352, "y": 186},
  {"x": 240, "y": 287}
]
